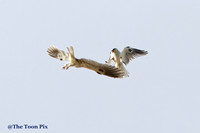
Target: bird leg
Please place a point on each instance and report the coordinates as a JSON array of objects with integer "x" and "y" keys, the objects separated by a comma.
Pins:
[
  {"x": 114, "y": 60},
  {"x": 110, "y": 59},
  {"x": 121, "y": 59},
  {"x": 66, "y": 66}
]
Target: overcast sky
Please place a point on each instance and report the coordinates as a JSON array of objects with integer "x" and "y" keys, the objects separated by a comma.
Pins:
[{"x": 160, "y": 96}]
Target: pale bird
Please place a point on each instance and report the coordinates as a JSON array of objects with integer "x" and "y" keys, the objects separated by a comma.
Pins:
[
  {"x": 104, "y": 69},
  {"x": 120, "y": 58}
]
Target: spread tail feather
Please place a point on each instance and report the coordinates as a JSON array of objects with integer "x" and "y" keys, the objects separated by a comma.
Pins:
[{"x": 125, "y": 71}]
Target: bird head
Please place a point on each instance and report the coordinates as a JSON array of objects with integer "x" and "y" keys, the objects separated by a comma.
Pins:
[{"x": 115, "y": 51}]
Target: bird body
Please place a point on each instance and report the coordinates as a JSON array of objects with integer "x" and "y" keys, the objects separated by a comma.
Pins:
[
  {"x": 121, "y": 58},
  {"x": 118, "y": 61}
]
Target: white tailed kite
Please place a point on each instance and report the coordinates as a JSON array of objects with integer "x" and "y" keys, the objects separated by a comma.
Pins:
[
  {"x": 103, "y": 69},
  {"x": 124, "y": 57}
]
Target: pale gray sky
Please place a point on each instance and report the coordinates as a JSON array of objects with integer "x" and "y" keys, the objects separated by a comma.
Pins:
[{"x": 160, "y": 96}]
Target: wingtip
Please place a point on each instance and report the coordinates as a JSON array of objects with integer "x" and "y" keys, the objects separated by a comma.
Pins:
[{"x": 51, "y": 50}]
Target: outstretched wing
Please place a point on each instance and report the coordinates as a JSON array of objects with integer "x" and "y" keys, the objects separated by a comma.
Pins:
[
  {"x": 104, "y": 69},
  {"x": 56, "y": 53},
  {"x": 130, "y": 53}
]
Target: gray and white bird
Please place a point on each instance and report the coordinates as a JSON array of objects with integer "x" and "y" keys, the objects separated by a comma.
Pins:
[
  {"x": 104, "y": 69},
  {"x": 124, "y": 57}
]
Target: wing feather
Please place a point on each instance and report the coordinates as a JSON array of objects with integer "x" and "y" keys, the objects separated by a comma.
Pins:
[
  {"x": 104, "y": 69},
  {"x": 131, "y": 53},
  {"x": 56, "y": 53}
]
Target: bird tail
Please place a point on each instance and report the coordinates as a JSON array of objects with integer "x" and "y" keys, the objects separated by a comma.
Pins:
[{"x": 125, "y": 71}]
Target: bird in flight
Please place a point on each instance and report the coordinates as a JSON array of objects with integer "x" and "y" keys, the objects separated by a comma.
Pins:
[
  {"x": 103, "y": 69},
  {"x": 124, "y": 57}
]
